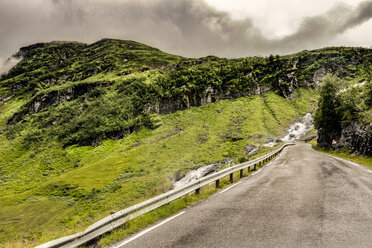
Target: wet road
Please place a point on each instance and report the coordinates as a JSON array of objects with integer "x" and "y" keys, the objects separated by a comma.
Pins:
[{"x": 301, "y": 199}]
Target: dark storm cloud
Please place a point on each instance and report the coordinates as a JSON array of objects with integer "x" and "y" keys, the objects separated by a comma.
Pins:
[
  {"x": 317, "y": 30},
  {"x": 186, "y": 27}
]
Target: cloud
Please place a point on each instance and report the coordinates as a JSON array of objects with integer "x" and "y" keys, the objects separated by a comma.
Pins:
[
  {"x": 186, "y": 27},
  {"x": 7, "y": 64},
  {"x": 317, "y": 30}
]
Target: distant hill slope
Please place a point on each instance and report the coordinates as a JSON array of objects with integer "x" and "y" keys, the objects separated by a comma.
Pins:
[{"x": 90, "y": 129}]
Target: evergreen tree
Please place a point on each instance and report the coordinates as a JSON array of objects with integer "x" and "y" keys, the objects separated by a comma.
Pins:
[{"x": 327, "y": 118}]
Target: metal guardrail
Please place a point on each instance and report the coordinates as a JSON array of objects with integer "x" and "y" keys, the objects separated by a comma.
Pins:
[{"x": 119, "y": 218}]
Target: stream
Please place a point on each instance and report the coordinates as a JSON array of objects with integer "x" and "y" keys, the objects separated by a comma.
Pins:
[{"x": 294, "y": 132}]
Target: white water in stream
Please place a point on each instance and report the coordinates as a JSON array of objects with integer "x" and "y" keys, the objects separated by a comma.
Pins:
[
  {"x": 295, "y": 131},
  {"x": 194, "y": 175}
]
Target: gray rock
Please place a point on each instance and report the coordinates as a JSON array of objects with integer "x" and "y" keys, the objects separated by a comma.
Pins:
[
  {"x": 354, "y": 136},
  {"x": 254, "y": 136},
  {"x": 357, "y": 138},
  {"x": 308, "y": 139}
]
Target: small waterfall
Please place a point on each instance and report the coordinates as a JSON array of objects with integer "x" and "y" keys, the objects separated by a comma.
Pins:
[{"x": 295, "y": 131}]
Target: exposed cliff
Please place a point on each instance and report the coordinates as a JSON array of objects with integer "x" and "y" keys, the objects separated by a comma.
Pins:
[{"x": 357, "y": 138}]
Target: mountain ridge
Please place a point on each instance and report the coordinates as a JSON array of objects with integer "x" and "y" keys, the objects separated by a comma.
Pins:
[{"x": 164, "y": 83}]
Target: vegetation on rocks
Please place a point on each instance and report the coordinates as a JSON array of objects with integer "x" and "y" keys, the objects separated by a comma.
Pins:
[{"x": 344, "y": 113}]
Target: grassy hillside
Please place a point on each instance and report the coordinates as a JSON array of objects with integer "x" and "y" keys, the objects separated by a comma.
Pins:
[
  {"x": 58, "y": 191},
  {"x": 90, "y": 129},
  {"x": 119, "y": 84}
]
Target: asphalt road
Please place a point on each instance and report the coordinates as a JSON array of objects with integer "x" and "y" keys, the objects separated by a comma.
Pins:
[{"x": 301, "y": 199}]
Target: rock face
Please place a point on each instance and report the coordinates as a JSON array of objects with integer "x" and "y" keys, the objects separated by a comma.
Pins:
[
  {"x": 167, "y": 105},
  {"x": 357, "y": 138},
  {"x": 53, "y": 98},
  {"x": 354, "y": 136}
]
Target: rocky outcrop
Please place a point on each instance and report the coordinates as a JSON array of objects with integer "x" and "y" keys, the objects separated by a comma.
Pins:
[
  {"x": 354, "y": 136},
  {"x": 53, "y": 98},
  {"x": 167, "y": 105},
  {"x": 357, "y": 138},
  {"x": 319, "y": 75}
]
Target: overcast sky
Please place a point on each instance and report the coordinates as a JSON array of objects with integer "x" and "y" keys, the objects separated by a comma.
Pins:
[{"x": 194, "y": 28}]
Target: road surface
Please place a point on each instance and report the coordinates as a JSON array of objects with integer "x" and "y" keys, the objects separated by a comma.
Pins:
[{"x": 301, "y": 199}]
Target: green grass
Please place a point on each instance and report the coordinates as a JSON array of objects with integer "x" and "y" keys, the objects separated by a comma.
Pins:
[
  {"x": 76, "y": 186},
  {"x": 344, "y": 153}
]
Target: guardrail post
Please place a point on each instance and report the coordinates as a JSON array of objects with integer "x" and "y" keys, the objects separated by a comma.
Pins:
[
  {"x": 217, "y": 183},
  {"x": 249, "y": 169},
  {"x": 255, "y": 166},
  {"x": 232, "y": 177},
  {"x": 241, "y": 173},
  {"x": 197, "y": 191}
]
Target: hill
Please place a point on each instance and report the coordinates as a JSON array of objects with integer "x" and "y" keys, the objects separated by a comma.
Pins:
[{"x": 91, "y": 129}]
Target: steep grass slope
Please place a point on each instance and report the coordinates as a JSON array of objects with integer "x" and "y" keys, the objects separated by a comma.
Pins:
[{"x": 52, "y": 192}]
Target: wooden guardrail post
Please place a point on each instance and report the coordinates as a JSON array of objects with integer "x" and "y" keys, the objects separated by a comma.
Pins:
[
  {"x": 255, "y": 167},
  {"x": 241, "y": 173},
  {"x": 249, "y": 169},
  {"x": 217, "y": 183},
  {"x": 231, "y": 177},
  {"x": 197, "y": 191}
]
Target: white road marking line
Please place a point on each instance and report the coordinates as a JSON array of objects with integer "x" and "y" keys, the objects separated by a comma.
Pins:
[
  {"x": 268, "y": 165},
  {"x": 257, "y": 172},
  {"x": 346, "y": 161},
  {"x": 229, "y": 187},
  {"x": 339, "y": 159},
  {"x": 148, "y": 230}
]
